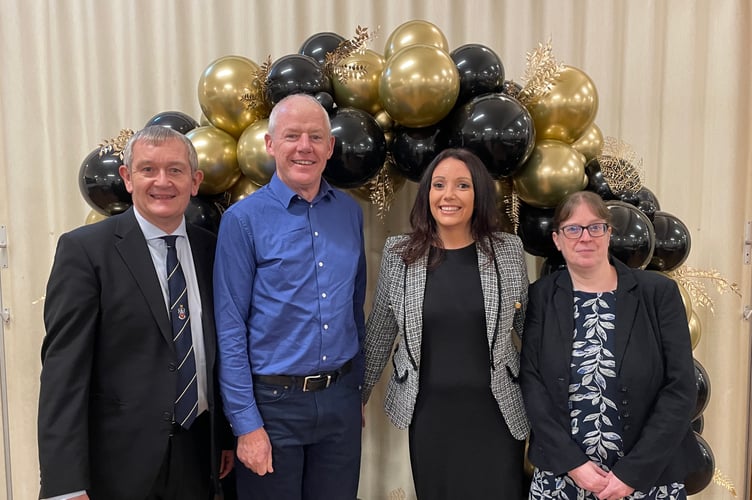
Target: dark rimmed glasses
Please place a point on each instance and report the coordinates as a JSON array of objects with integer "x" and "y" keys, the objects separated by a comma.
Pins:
[{"x": 574, "y": 231}]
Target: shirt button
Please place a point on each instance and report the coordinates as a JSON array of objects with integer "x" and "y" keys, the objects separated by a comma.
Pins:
[
  {"x": 321, "y": 264},
  {"x": 326, "y": 327},
  {"x": 315, "y": 233},
  {"x": 323, "y": 295},
  {"x": 323, "y": 358}
]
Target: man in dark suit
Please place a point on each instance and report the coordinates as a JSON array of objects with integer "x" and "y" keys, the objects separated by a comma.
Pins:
[{"x": 113, "y": 374}]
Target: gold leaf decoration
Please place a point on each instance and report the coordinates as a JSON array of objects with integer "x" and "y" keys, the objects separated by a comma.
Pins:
[
  {"x": 693, "y": 281},
  {"x": 540, "y": 74},
  {"x": 117, "y": 145},
  {"x": 381, "y": 191},
  {"x": 621, "y": 166},
  {"x": 333, "y": 62},
  {"x": 255, "y": 98},
  {"x": 724, "y": 481}
]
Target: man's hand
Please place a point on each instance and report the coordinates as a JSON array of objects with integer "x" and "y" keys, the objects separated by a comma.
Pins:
[
  {"x": 255, "y": 451},
  {"x": 615, "y": 488},
  {"x": 590, "y": 477},
  {"x": 226, "y": 463}
]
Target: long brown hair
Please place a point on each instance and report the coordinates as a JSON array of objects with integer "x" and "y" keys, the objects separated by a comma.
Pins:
[{"x": 483, "y": 223}]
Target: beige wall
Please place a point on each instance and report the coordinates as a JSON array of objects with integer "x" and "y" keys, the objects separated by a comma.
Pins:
[{"x": 673, "y": 80}]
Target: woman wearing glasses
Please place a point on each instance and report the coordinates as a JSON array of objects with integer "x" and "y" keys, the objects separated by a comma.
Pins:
[{"x": 606, "y": 372}]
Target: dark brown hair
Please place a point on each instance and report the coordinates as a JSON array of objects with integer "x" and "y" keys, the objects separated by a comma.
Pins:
[
  {"x": 568, "y": 205},
  {"x": 483, "y": 223}
]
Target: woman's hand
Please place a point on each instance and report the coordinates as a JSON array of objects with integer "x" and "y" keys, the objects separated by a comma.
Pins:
[
  {"x": 589, "y": 476},
  {"x": 615, "y": 488}
]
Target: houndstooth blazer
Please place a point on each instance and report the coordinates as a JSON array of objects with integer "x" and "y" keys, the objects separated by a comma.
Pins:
[{"x": 398, "y": 312}]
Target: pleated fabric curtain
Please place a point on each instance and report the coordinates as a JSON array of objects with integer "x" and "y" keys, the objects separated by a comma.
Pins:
[{"x": 672, "y": 79}]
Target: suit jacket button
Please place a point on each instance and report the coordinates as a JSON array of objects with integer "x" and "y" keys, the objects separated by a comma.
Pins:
[
  {"x": 627, "y": 427},
  {"x": 172, "y": 367},
  {"x": 625, "y": 402}
]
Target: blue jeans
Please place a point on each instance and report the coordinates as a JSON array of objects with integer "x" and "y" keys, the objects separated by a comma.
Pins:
[{"x": 315, "y": 440}]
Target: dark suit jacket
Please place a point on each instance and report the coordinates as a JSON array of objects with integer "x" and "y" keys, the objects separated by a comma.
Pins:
[
  {"x": 655, "y": 373},
  {"x": 108, "y": 364}
]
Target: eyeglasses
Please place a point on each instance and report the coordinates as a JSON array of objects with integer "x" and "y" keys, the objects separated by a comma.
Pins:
[{"x": 574, "y": 231}]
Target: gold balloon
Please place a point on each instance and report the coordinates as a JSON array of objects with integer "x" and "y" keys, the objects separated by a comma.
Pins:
[
  {"x": 217, "y": 158},
  {"x": 687, "y": 300},
  {"x": 695, "y": 329},
  {"x": 384, "y": 120},
  {"x": 220, "y": 88},
  {"x": 567, "y": 111},
  {"x": 361, "y": 93},
  {"x": 590, "y": 143},
  {"x": 242, "y": 189},
  {"x": 254, "y": 161},
  {"x": 554, "y": 170},
  {"x": 419, "y": 86},
  {"x": 416, "y": 32},
  {"x": 94, "y": 216}
]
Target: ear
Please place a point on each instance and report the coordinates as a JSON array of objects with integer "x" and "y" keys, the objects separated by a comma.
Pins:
[
  {"x": 198, "y": 178},
  {"x": 126, "y": 175},
  {"x": 555, "y": 237},
  {"x": 268, "y": 144}
]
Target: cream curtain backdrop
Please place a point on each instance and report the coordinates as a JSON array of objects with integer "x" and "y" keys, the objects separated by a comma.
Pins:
[{"x": 673, "y": 81}]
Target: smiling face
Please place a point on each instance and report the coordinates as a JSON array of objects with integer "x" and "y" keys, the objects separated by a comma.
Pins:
[
  {"x": 585, "y": 252},
  {"x": 301, "y": 143},
  {"x": 451, "y": 197},
  {"x": 161, "y": 182}
]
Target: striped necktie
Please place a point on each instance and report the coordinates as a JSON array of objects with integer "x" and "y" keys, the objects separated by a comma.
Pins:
[{"x": 186, "y": 402}]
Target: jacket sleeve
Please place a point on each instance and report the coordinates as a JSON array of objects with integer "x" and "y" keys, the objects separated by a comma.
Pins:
[{"x": 551, "y": 444}]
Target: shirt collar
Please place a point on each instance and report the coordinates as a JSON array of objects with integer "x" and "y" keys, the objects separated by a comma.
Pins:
[
  {"x": 286, "y": 195},
  {"x": 152, "y": 232}
]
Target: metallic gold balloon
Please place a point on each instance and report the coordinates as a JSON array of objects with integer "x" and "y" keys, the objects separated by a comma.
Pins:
[
  {"x": 242, "y": 189},
  {"x": 419, "y": 86},
  {"x": 361, "y": 93},
  {"x": 695, "y": 329},
  {"x": 217, "y": 158},
  {"x": 590, "y": 143},
  {"x": 384, "y": 120},
  {"x": 416, "y": 32},
  {"x": 567, "y": 111},
  {"x": 94, "y": 216},
  {"x": 254, "y": 161},
  {"x": 220, "y": 88},
  {"x": 554, "y": 170}
]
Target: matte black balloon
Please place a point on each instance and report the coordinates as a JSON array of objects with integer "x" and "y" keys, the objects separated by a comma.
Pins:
[
  {"x": 596, "y": 182},
  {"x": 495, "y": 127},
  {"x": 698, "y": 424},
  {"x": 535, "y": 229},
  {"x": 632, "y": 236},
  {"x": 672, "y": 242},
  {"x": 204, "y": 212},
  {"x": 359, "y": 149},
  {"x": 414, "y": 148},
  {"x": 101, "y": 185},
  {"x": 295, "y": 73},
  {"x": 698, "y": 480},
  {"x": 326, "y": 100},
  {"x": 319, "y": 44},
  {"x": 481, "y": 71},
  {"x": 552, "y": 264},
  {"x": 703, "y": 389},
  {"x": 175, "y": 120}
]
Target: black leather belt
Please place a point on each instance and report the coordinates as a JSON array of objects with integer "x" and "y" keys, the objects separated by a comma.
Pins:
[{"x": 310, "y": 383}]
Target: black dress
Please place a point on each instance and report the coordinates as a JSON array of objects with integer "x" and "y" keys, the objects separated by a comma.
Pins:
[{"x": 460, "y": 445}]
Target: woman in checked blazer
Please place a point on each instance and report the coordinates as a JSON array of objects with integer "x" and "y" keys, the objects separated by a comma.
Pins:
[{"x": 453, "y": 292}]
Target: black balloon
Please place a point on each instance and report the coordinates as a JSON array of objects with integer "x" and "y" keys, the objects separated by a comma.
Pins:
[
  {"x": 703, "y": 389},
  {"x": 295, "y": 73},
  {"x": 535, "y": 229},
  {"x": 101, "y": 185},
  {"x": 319, "y": 44},
  {"x": 414, "y": 148},
  {"x": 359, "y": 149},
  {"x": 495, "y": 127},
  {"x": 648, "y": 202},
  {"x": 698, "y": 480},
  {"x": 672, "y": 242},
  {"x": 326, "y": 100},
  {"x": 204, "y": 212},
  {"x": 632, "y": 236},
  {"x": 175, "y": 120},
  {"x": 596, "y": 182},
  {"x": 698, "y": 424},
  {"x": 511, "y": 88},
  {"x": 481, "y": 71}
]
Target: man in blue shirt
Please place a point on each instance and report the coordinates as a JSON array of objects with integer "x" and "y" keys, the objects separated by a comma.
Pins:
[{"x": 289, "y": 289}]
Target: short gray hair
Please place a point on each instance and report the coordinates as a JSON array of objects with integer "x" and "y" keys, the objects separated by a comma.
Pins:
[
  {"x": 156, "y": 135},
  {"x": 277, "y": 107}
]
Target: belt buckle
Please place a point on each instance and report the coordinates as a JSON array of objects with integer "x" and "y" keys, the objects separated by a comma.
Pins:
[{"x": 316, "y": 378}]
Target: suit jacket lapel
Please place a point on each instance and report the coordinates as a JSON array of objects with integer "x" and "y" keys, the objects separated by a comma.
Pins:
[
  {"x": 563, "y": 304},
  {"x": 203, "y": 251},
  {"x": 626, "y": 310},
  {"x": 489, "y": 285},
  {"x": 135, "y": 253},
  {"x": 415, "y": 287}
]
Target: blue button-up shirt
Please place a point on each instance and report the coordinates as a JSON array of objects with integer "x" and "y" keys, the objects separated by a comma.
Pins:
[{"x": 289, "y": 289}]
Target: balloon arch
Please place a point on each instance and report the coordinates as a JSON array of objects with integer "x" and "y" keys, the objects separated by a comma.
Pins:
[{"x": 392, "y": 114}]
